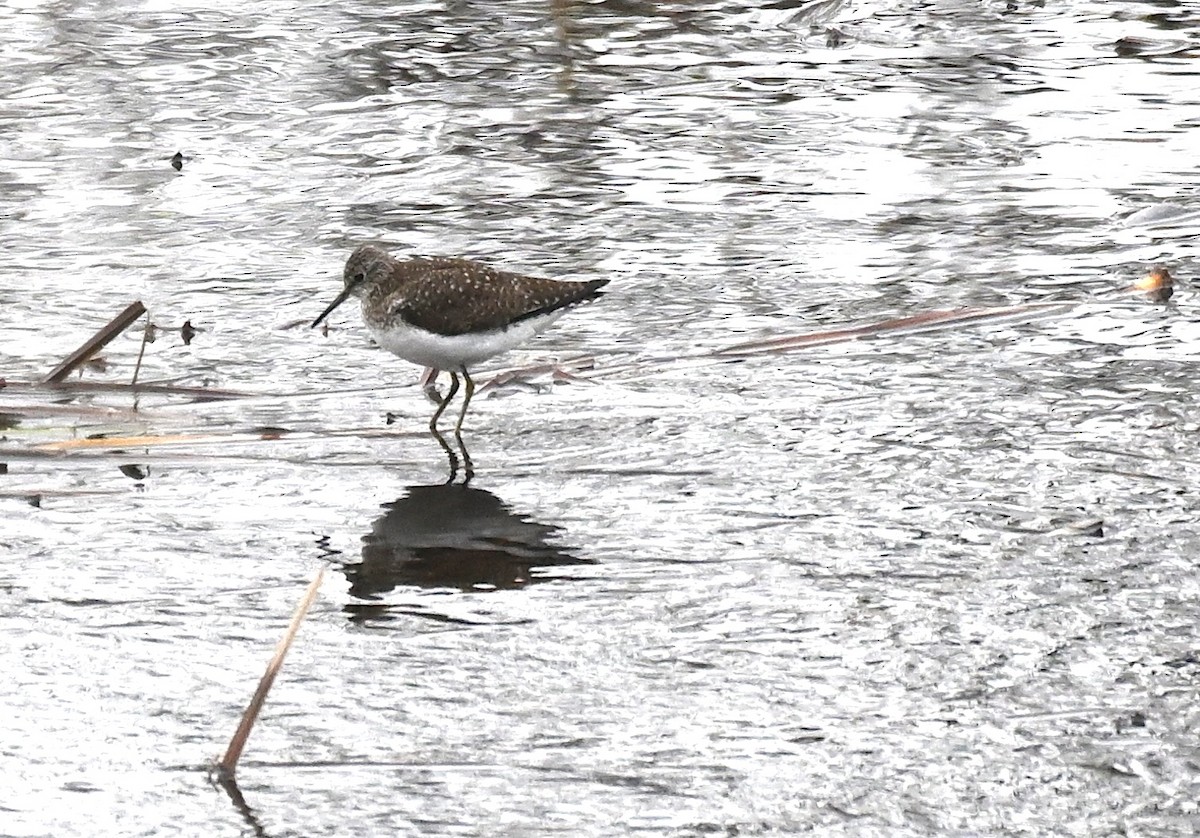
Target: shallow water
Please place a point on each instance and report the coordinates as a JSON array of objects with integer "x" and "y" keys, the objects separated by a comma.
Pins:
[{"x": 937, "y": 583}]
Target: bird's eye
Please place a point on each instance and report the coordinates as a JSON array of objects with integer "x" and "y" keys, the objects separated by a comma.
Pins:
[{"x": 361, "y": 276}]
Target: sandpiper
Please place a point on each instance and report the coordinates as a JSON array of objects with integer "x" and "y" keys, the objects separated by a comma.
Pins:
[{"x": 451, "y": 314}]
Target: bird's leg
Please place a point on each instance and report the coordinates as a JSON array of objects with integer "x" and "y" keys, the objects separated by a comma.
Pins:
[
  {"x": 437, "y": 414},
  {"x": 466, "y": 401},
  {"x": 468, "y": 466},
  {"x": 451, "y": 456}
]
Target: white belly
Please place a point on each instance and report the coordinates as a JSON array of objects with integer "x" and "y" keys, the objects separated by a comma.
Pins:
[{"x": 456, "y": 351}]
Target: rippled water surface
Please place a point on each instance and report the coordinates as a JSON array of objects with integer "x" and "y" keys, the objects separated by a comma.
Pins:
[{"x": 932, "y": 583}]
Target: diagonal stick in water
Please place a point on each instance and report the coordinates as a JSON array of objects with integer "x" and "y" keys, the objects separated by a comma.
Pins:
[
  {"x": 96, "y": 342},
  {"x": 228, "y": 764}
]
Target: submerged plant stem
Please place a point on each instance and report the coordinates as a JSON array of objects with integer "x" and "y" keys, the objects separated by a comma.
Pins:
[
  {"x": 227, "y": 767},
  {"x": 141, "y": 353}
]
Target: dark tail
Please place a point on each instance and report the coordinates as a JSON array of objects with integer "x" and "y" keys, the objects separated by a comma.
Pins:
[{"x": 573, "y": 294}]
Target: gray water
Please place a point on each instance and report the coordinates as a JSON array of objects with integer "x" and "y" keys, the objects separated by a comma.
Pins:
[{"x": 931, "y": 584}]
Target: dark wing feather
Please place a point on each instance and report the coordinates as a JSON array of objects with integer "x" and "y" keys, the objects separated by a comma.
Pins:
[{"x": 455, "y": 296}]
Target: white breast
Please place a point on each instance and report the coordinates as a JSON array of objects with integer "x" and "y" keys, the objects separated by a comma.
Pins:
[{"x": 453, "y": 352}]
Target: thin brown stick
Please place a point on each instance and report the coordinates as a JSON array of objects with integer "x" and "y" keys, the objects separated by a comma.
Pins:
[
  {"x": 96, "y": 342},
  {"x": 141, "y": 352},
  {"x": 913, "y": 323},
  {"x": 228, "y": 764},
  {"x": 120, "y": 387}
]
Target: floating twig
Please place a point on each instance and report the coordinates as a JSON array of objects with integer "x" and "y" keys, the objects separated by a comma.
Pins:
[
  {"x": 96, "y": 342},
  {"x": 140, "y": 441},
  {"x": 227, "y": 767},
  {"x": 196, "y": 393},
  {"x": 914, "y": 323}
]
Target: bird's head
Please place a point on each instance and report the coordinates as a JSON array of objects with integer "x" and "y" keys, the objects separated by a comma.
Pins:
[{"x": 366, "y": 265}]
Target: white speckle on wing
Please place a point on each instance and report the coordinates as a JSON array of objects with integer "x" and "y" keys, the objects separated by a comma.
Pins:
[{"x": 449, "y": 313}]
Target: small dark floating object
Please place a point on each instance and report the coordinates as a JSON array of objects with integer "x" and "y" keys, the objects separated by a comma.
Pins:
[
  {"x": 177, "y": 161},
  {"x": 1134, "y": 47},
  {"x": 1158, "y": 284},
  {"x": 187, "y": 331},
  {"x": 133, "y": 472}
]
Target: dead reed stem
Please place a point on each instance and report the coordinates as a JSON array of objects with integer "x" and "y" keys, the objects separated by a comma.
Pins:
[
  {"x": 141, "y": 353},
  {"x": 227, "y": 767},
  {"x": 96, "y": 342}
]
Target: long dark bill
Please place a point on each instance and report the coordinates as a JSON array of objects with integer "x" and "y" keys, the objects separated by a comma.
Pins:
[{"x": 341, "y": 298}]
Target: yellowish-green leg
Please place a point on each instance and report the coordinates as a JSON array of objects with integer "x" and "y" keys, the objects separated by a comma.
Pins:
[
  {"x": 437, "y": 414},
  {"x": 466, "y": 400}
]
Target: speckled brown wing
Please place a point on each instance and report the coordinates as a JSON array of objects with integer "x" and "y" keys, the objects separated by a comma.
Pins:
[{"x": 456, "y": 296}]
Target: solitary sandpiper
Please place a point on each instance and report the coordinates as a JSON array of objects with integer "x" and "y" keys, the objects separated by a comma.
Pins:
[{"x": 451, "y": 314}]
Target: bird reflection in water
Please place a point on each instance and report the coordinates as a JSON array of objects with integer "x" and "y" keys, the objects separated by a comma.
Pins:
[{"x": 451, "y": 536}]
